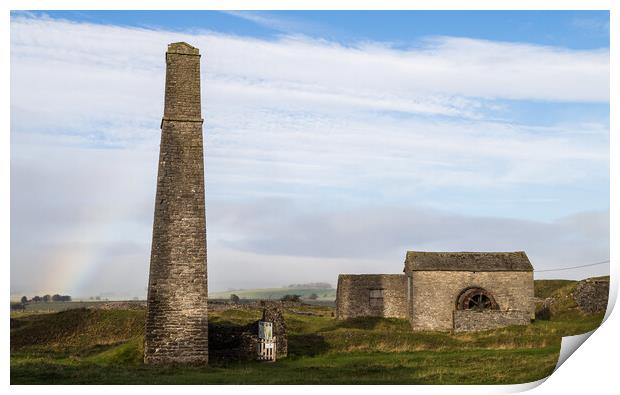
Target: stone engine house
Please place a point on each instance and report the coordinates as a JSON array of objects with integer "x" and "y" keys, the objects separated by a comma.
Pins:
[{"x": 446, "y": 291}]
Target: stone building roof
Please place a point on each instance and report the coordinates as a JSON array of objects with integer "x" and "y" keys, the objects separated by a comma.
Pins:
[
  {"x": 467, "y": 261},
  {"x": 370, "y": 276}
]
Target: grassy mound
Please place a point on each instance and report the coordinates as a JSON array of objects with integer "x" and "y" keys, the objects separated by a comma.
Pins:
[
  {"x": 129, "y": 353},
  {"x": 559, "y": 302},
  {"x": 79, "y": 329},
  {"x": 545, "y": 288}
]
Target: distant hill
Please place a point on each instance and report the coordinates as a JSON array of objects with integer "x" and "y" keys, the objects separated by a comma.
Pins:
[
  {"x": 324, "y": 294},
  {"x": 311, "y": 286}
]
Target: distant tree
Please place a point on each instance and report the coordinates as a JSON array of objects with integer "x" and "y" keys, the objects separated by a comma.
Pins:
[
  {"x": 291, "y": 298},
  {"x": 47, "y": 298},
  {"x": 97, "y": 297},
  {"x": 36, "y": 299},
  {"x": 24, "y": 299},
  {"x": 234, "y": 298},
  {"x": 65, "y": 298},
  {"x": 56, "y": 298},
  {"x": 313, "y": 296}
]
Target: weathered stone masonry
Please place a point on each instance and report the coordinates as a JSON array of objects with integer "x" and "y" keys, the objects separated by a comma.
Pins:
[
  {"x": 371, "y": 295},
  {"x": 176, "y": 322},
  {"x": 436, "y": 281},
  {"x": 591, "y": 295},
  {"x": 445, "y": 291},
  {"x": 469, "y": 320},
  {"x": 434, "y": 295}
]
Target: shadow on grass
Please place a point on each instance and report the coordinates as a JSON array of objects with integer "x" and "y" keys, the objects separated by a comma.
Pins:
[
  {"x": 225, "y": 340},
  {"x": 360, "y": 323},
  {"x": 370, "y": 323},
  {"x": 306, "y": 345}
]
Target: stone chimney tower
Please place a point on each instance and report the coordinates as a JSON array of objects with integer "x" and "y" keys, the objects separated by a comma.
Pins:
[{"x": 176, "y": 321}]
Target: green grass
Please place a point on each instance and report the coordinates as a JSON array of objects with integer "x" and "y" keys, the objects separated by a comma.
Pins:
[
  {"x": 545, "y": 288},
  {"x": 426, "y": 367},
  {"x": 105, "y": 346},
  {"x": 53, "y": 307},
  {"x": 76, "y": 330}
]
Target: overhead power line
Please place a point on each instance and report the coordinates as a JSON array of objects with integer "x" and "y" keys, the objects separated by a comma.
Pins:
[{"x": 572, "y": 267}]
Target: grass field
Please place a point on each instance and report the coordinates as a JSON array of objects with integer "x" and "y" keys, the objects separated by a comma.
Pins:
[
  {"x": 546, "y": 288},
  {"x": 105, "y": 346},
  {"x": 54, "y": 307}
]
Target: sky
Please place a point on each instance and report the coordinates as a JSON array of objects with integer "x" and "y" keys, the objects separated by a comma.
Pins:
[{"x": 334, "y": 142}]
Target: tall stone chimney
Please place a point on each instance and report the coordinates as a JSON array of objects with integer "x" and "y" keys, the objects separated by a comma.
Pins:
[{"x": 176, "y": 321}]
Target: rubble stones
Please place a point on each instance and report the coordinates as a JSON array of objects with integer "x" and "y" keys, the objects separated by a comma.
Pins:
[
  {"x": 591, "y": 295},
  {"x": 471, "y": 320}
]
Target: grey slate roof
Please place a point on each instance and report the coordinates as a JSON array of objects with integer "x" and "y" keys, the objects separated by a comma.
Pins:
[{"x": 467, "y": 261}]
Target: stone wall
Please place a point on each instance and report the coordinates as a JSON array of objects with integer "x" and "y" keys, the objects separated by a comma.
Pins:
[
  {"x": 471, "y": 320},
  {"x": 433, "y": 294},
  {"x": 591, "y": 295},
  {"x": 176, "y": 321},
  {"x": 354, "y": 293}
]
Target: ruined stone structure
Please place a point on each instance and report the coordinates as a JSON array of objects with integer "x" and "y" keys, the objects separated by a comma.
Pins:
[
  {"x": 459, "y": 291},
  {"x": 231, "y": 341},
  {"x": 591, "y": 295},
  {"x": 371, "y": 295},
  {"x": 176, "y": 321}
]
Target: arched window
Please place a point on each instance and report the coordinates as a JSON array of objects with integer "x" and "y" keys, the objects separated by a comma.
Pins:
[{"x": 476, "y": 299}]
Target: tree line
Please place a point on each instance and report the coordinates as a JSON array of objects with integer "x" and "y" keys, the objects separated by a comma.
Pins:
[
  {"x": 46, "y": 298},
  {"x": 286, "y": 298},
  {"x": 311, "y": 286}
]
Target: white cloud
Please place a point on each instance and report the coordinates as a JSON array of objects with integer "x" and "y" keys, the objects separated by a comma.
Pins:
[
  {"x": 294, "y": 118},
  {"x": 437, "y": 78},
  {"x": 313, "y": 100}
]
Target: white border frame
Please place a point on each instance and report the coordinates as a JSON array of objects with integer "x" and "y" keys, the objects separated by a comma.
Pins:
[{"x": 592, "y": 369}]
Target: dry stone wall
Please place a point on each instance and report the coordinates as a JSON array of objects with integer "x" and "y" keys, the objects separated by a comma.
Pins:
[
  {"x": 353, "y": 296},
  {"x": 176, "y": 322},
  {"x": 591, "y": 295},
  {"x": 471, "y": 320},
  {"x": 433, "y": 294}
]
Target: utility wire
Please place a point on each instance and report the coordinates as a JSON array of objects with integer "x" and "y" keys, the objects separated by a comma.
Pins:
[{"x": 572, "y": 267}]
